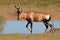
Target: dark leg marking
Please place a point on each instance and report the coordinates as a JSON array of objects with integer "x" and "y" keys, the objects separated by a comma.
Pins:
[
  {"x": 29, "y": 22},
  {"x": 46, "y": 25},
  {"x": 50, "y": 25},
  {"x": 18, "y": 16}
]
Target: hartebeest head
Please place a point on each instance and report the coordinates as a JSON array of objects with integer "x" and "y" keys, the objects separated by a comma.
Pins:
[{"x": 18, "y": 11}]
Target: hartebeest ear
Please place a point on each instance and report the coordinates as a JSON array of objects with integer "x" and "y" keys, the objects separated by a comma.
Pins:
[{"x": 15, "y": 7}]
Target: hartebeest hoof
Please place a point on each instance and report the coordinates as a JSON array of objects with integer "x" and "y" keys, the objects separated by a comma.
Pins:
[{"x": 31, "y": 32}]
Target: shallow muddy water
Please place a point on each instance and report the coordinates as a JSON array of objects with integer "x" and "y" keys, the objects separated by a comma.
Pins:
[{"x": 13, "y": 27}]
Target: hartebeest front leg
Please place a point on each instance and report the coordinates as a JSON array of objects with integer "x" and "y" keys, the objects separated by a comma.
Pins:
[
  {"x": 29, "y": 22},
  {"x": 31, "y": 27}
]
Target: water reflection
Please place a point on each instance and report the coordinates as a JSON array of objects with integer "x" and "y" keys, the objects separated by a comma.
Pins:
[{"x": 13, "y": 27}]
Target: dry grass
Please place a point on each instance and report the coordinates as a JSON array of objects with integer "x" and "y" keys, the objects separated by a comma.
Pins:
[
  {"x": 29, "y": 37},
  {"x": 33, "y": 3}
]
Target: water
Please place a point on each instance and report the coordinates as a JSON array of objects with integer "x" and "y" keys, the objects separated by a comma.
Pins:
[{"x": 13, "y": 27}]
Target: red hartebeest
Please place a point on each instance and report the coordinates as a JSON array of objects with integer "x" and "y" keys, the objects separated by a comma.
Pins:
[{"x": 33, "y": 16}]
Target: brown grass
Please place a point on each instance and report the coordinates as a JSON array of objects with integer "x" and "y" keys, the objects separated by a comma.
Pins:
[{"x": 29, "y": 37}]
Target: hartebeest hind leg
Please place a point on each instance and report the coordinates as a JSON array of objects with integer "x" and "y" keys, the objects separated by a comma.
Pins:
[
  {"x": 29, "y": 22},
  {"x": 51, "y": 27},
  {"x": 48, "y": 24}
]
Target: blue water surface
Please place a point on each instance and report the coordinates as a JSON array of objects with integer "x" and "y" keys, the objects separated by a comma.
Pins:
[{"x": 13, "y": 27}]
